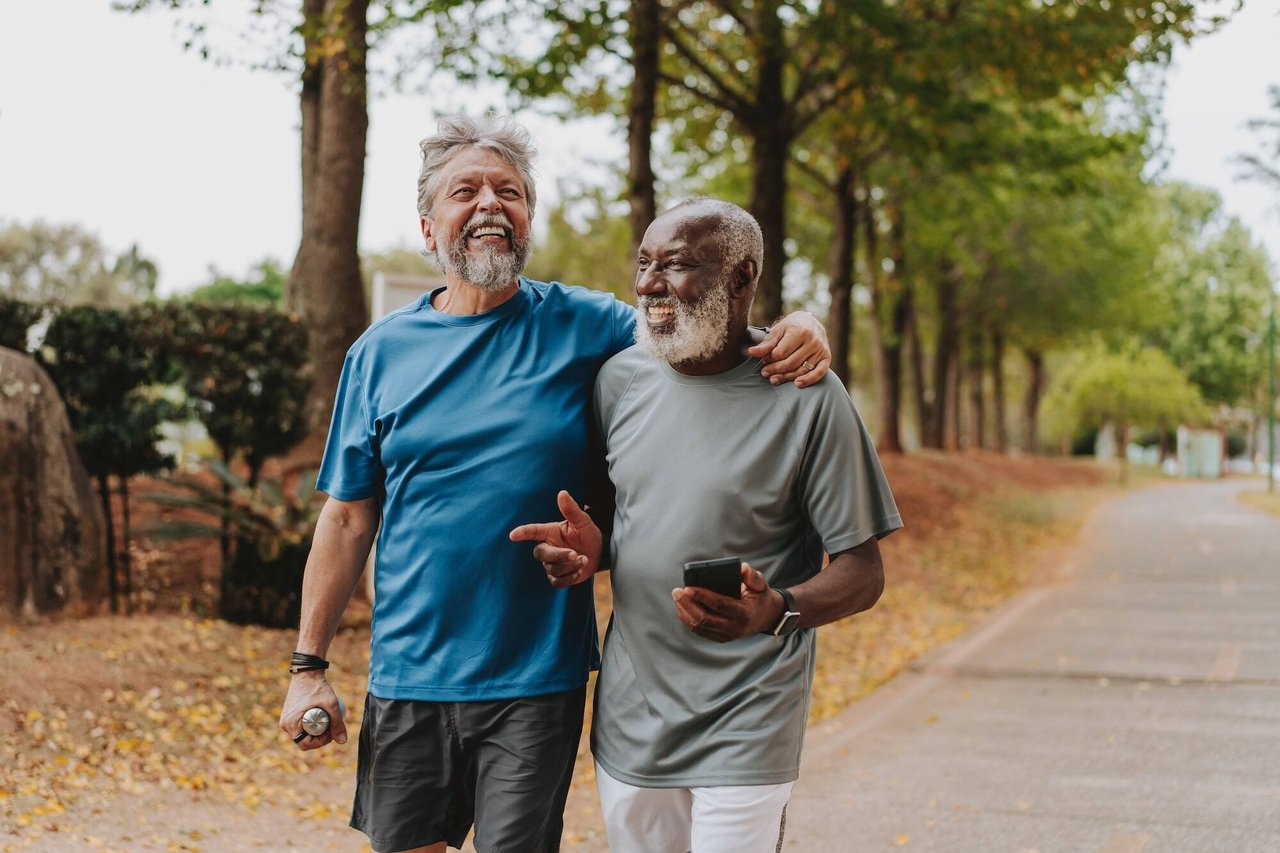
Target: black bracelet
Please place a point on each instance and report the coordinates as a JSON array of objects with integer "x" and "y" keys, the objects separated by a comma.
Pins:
[{"x": 303, "y": 662}]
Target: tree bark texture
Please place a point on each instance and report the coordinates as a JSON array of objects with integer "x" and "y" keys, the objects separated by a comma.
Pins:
[
  {"x": 325, "y": 288},
  {"x": 891, "y": 303},
  {"x": 52, "y": 554},
  {"x": 644, "y": 34},
  {"x": 945, "y": 350},
  {"x": 840, "y": 273},
  {"x": 771, "y": 137},
  {"x": 976, "y": 364},
  {"x": 1031, "y": 402},
  {"x": 997, "y": 392}
]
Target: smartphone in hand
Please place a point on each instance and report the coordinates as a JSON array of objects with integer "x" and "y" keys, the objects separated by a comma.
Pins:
[{"x": 723, "y": 575}]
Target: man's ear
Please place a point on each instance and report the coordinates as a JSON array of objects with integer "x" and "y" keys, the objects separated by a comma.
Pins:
[
  {"x": 744, "y": 276},
  {"x": 428, "y": 235}
]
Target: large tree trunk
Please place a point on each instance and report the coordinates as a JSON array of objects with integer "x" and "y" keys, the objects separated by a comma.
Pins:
[
  {"x": 51, "y": 528},
  {"x": 1031, "y": 402},
  {"x": 919, "y": 387},
  {"x": 997, "y": 391},
  {"x": 946, "y": 348},
  {"x": 644, "y": 36},
  {"x": 325, "y": 288},
  {"x": 771, "y": 137},
  {"x": 951, "y": 422},
  {"x": 840, "y": 273},
  {"x": 892, "y": 341},
  {"x": 977, "y": 393}
]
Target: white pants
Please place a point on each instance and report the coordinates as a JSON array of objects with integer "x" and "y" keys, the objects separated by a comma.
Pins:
[{"x": 719, "y": 819}]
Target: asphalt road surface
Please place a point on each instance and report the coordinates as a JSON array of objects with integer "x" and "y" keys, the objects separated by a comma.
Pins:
[{"x": 1134, "y": 708}]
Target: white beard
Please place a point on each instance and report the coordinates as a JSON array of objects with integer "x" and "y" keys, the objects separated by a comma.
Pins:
[
  {"x": 492, "y": 269},
  {"x": 701, "y": 330}
]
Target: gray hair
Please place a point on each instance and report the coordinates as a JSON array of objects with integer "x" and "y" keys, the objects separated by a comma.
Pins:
[
  {"x": 738, "y": 234},
  {"x": 498, "y": 134}
]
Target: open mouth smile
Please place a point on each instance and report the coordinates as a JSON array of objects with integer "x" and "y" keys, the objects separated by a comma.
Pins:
[{"x": 660, "y": 316}]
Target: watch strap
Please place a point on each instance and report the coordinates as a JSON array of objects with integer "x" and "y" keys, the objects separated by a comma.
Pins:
[{"x": 790, "y": 617}]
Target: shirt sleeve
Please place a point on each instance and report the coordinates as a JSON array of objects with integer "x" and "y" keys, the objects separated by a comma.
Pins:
[
  {"x": 350, "y": 470},
  {"x": 624, "y": 326},
  {"x": 842, "y": 486}
]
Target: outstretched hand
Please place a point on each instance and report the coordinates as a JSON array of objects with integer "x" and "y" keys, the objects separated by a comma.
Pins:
[
  {"x": 796, "y": 349},
  {"x": 569, "y": 550},
  {"x": 722, "y": 618}
]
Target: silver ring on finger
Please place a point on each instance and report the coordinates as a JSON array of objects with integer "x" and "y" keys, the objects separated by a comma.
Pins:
[{"x": 808, "y": 365}]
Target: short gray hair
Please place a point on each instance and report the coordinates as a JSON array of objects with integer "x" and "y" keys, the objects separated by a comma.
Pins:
[
  {"x": 739, "y": 233},
  {"x": 499, "y": 134}
]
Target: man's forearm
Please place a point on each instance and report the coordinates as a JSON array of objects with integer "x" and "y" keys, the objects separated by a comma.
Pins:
[
  {"x": 851, "y": 582},
  {"x": 339, "y": 550}
]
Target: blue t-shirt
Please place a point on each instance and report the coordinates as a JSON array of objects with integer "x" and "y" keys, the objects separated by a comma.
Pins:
[{"x": 465, "y": 426}]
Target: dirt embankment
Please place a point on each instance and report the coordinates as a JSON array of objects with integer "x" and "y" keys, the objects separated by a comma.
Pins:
[{"x": 157, "y": 731}]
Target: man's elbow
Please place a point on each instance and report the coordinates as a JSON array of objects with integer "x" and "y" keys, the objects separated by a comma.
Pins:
[
  {"x": 357, "y": 519},
  {"x": 874, "y": 587}
]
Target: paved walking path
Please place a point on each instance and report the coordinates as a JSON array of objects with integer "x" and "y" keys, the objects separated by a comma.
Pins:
[{"x": 1132, "y": 709}]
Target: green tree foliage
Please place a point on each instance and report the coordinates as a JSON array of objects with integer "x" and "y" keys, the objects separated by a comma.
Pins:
[
  {"x": 16, "y": 318},
  {"x": 588, "y": 243},
  {"x": 1214, "y": 280},
  {"x": 263, "y": 285},
  {"x": 243, "y": 369},
  {"x": 103, "y": 368},
  {"x": 1136, "y": 387},
  {"x": 64, "y": 264}
]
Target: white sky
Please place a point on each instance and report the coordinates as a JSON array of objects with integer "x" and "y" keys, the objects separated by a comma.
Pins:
[{"x": 105, "y": 121}]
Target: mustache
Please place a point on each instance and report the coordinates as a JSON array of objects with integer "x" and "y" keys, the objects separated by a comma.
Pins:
[{"x": 488, "y": 221}]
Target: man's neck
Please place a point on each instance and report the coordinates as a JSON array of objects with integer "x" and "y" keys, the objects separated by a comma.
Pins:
[
  {"x": 463, "y": 297},
  {"x": 733, "y": 354}
]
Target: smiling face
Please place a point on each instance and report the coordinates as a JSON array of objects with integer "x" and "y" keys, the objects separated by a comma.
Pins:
[
  {"x": 693, "y": 300},
  {"x": 479, "y": 222}
]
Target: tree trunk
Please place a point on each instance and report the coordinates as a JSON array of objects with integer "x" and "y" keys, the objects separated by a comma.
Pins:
[
  {"x": 1031, "y": 403},
  {"x": 325, "y": 288},
  {"x": 977, "y": 393},
  {"x": 997, "y": 392},
  {"x": 840, "y": 273},
  {"x": 919, "y": 388},
  {"x": 126, "y": 534},
  {"x": 899, "y": 311},
  {"x": 945, "y": 350},
  {"x": 113, "y": 570},
  {"x": 951, "y": 422},
  {"x": 771, "y": 138},
  {"x": 51, "y": 527},
  {"x": 644, "y": 36}
]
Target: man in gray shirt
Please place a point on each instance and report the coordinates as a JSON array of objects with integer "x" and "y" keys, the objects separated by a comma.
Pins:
[{"x": 702, "y": 698}]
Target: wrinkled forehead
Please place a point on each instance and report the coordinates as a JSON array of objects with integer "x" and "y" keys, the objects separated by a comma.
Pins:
[
  {"x": 693, "y": 228},
  {"x": 474, "y": 162}
]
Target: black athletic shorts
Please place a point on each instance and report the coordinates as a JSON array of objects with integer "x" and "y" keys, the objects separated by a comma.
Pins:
[{"x": 428, "y": 770}]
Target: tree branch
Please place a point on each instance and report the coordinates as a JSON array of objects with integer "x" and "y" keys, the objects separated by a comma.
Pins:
[
  {"x": 727, "y": 93},
  {"x": 697, "y": 92}
]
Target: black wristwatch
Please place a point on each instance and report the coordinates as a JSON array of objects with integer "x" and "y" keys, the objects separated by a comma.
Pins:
[{"x": 790, "y": 619}]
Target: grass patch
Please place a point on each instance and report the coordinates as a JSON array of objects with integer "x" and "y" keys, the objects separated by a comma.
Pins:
[{"x": 1266, "y": 501}]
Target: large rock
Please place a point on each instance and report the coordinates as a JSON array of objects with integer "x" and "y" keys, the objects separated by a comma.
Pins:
[{"x": 51, "y": 529}]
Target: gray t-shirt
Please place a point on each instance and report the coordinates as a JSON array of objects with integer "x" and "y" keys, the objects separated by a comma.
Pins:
[{"x": 719, "y": 466}]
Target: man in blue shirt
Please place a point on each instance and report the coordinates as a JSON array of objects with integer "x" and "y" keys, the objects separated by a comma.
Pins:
[{"x": 456, "y": 418}]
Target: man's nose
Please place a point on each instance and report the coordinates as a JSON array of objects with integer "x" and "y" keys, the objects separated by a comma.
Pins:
[
  {"x": 649, "y": 281},
  {"x": 487, "y": 200}
]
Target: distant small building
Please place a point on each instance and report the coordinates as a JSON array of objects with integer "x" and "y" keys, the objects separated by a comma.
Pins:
[
  {"x": 392, "y": 291},
  {"x": 1202, "y": 452}
]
